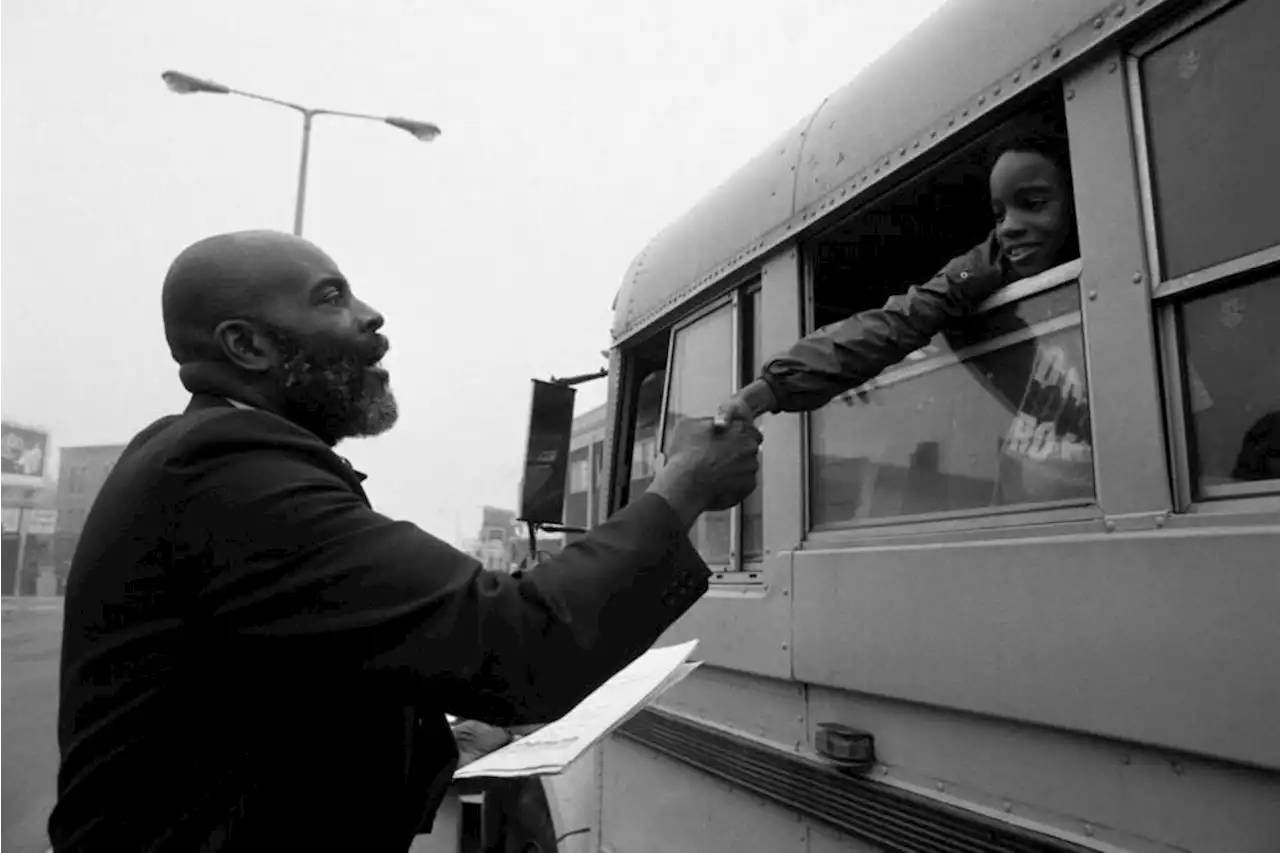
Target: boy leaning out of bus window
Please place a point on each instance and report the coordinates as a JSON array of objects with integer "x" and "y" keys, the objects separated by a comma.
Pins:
[{"x": 1031, "y": 199}]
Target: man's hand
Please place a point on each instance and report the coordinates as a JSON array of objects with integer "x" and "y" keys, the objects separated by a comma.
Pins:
[
  {"x": 708, "y": 469},
  {"x": 747, "y": 405},
  {"x": 476, "y": 739}
]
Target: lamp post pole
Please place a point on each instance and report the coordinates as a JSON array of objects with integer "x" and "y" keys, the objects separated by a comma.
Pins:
[{"x": 185, "y": 84}]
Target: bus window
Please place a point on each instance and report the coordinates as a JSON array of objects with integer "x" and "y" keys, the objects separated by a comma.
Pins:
[
  {"x": 644, "y": 441},
  {"x": 752, "y": 362},
  {"x": 1233, "y": 377},
  {"x": 702, "y": 371},
  {"x": 1213, "y": 131},
  {"x": 992, "y": 414},
  {"x": 575, "y": 502},
  {"x": 1210, "y": 131}
]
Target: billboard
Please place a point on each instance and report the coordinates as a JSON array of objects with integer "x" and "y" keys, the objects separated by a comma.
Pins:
[{"x": 24, "y": 454}]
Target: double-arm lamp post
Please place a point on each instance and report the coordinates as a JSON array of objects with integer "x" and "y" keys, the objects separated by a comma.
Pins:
[{"x": 185, "y": 84}]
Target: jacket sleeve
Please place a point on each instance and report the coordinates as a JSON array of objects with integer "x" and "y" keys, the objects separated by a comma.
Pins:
[
  {"x": 844, "y": 355},
  {"x": 298, "y": 575}
]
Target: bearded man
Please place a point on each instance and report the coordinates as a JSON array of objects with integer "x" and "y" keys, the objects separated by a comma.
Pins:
[{"x": 253, "y": 658}]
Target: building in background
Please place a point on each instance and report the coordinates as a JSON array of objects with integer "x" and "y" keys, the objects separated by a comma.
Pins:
[
  {"x": 28, "y": 510},
  {"x": 585, "y": 500},
  {"x": 503, "y": 543},
  {"x": 81, "y": 473}
]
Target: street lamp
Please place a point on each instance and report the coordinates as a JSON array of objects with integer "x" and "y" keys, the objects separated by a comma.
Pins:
[{"x": 185, "y": 84}]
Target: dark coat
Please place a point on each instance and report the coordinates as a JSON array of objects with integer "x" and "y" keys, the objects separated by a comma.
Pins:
[{"x": 254, "y": 659}]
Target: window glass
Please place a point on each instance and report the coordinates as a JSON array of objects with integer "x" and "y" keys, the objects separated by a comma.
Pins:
[
  {"x": 753, "y": 361},
  {"x": 1232, "y": 364},
  {"x": 701, "y": 375},
  {"x": 1213, "y": 131},
  {"x": 993, "y": 414},
  {"x": 577, "y": 494},
  {"x": 644, "y": 443},
  {"x": 579, "y": 470},
  {"x": 598, "y": 496}
]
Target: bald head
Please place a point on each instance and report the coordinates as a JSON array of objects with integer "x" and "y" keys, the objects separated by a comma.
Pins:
[{"x": 234, "y": 276}]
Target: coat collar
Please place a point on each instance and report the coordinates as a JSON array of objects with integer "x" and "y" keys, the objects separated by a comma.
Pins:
[{"x": 202, "y": 401}]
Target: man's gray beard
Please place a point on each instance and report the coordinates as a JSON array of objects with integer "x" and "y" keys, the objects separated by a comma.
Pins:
[{"x": 337, "y": 401}]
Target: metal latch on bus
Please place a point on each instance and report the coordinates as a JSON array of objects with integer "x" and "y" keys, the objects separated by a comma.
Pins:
[{"x": 849, "y": 749}]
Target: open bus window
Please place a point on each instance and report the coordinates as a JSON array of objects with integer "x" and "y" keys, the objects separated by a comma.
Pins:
[
  {"x": 991, "y": 415},
  {"x": 1211, "y": 130}
]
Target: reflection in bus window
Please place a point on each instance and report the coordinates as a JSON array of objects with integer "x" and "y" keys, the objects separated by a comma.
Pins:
[
  {"x": 644, "y": 444},
  {"x": 1213, "y": 131},
  {"x": 575, "y": 502},
  {"x": 998, "y": 417},
  {"x": 701, "y": 371},
  {"x": 1233, "y": 383}
]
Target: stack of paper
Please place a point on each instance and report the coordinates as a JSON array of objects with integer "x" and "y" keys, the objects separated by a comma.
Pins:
[{"x": 555, "y": 746}]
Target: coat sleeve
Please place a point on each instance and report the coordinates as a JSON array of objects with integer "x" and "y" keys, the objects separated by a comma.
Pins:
[
  {"x": 844, "y": 355},
  {"x": 297, "y": 574}
]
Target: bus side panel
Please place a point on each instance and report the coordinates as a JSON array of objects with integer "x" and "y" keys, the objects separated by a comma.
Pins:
[
  {"x": 653, "y": 803},
  {"x": 747, "y": 630},
  {"x": 575, "y": 803},
  {"x": 763, "y": 708},
  {"x": 1064, "y": 779},
  {"x": 1132, "y": 635}
]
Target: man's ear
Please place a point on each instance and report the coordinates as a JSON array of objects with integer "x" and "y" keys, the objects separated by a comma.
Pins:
[{"x": 245, "y": 346}]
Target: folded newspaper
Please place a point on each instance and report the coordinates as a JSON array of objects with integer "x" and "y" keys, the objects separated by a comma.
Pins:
[{"x": 555, "y": 746}]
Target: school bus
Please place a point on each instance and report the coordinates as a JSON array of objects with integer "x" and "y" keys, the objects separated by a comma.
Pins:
[{"x": 1092, "y": 668}]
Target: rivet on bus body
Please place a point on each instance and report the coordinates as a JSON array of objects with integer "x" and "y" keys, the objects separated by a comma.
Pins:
[
  {"x": 1120, "y": 12},
  {"x": 1125, "y": 759},
  {"x": 1110, "y": 526},
  {"x": 1008, "y": 806},
  {"x": 1112, "y": 66},
  {"x": 1097, "y": 24},
  {"x": 1057, "y": 52},
  {"x": 786, "y": 592},
  {"x": 1035, "y": 65},
  {"x": 1177, "y": 768},
  {"x": 1093, "y": 295},
  {"x": 941, "y": 787},
  {"x": 1088, "y": 830},
  {"x": 784, "y": 647},
  {"x": 1071, "y": 94},
  {"x": 1160, "y": 521},
  {"x": 1137, "y": 278}
]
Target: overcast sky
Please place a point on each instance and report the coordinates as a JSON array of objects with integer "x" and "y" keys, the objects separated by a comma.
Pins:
[{"x": 573, "y": 131}]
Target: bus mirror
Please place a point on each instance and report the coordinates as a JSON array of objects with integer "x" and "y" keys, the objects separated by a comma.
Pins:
[{"x": 546, "y": 460}]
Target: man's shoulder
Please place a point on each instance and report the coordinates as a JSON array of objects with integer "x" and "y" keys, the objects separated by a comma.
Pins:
[{"x": 204, "y": 436}]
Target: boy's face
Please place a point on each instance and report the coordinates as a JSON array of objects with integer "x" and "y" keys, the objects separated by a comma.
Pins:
[{"x": 1033, "y": 209}]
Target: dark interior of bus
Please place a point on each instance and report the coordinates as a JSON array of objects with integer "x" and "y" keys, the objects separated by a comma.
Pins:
[{"x": 907, "y": 235}]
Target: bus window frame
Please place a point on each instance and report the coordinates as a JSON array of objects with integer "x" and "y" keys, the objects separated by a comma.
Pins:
[
  {"x": 733, "y": 296},
  {"x": 1168, "y": 295}
]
